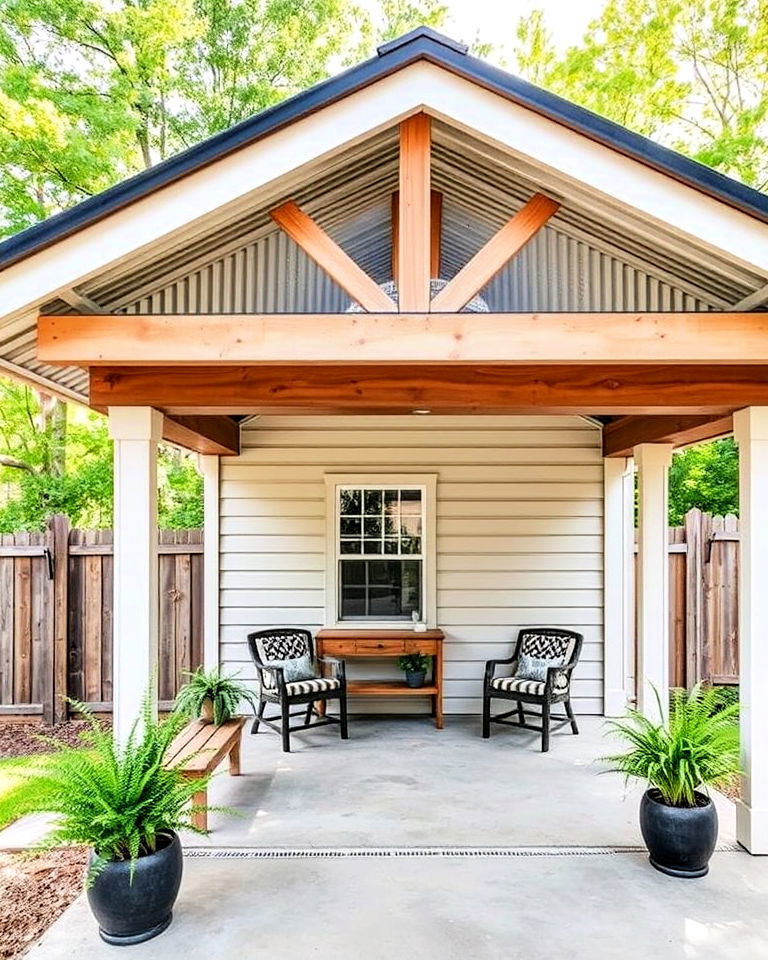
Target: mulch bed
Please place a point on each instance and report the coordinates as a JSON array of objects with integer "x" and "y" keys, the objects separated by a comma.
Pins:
[
  {"x": 22, "y": 739},
  {"x": 34, "y": 891}
]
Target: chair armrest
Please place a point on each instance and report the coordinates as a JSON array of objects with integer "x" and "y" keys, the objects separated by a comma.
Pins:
[
  {"x": 278, "y": 673},
  {"x": 490, "y": 666},
  {"x": 552, "y": 673},
  {"x": 340, "y": 666}
]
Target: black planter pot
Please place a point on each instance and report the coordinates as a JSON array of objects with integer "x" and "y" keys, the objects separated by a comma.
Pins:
[
  {"x": 415, "y": 678},
  {"x": 131, "y": 912},
  {"x": 680, "y": 840}
]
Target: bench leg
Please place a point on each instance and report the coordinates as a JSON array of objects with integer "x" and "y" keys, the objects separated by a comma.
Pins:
[
  {"x": 200, "y": 817},
  {"x": 234, "y": 759}
]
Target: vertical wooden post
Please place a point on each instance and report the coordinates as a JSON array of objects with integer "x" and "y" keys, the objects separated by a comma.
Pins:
[
  {"x": 209, "y": 466},
  {"x": 414, "y": 221},
  {"x": 55, "y": 706},
  {"x": 618, "y": 574},
  {"x": 694, "y": 598}
]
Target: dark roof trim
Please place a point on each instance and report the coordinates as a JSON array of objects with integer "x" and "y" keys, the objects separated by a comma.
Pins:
[{"x": 420, "y": 44}]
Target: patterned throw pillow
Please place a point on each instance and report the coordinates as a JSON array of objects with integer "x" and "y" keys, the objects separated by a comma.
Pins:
[
  {"x": 299, "y": 668},
  {"x": 535, "y": 668}
]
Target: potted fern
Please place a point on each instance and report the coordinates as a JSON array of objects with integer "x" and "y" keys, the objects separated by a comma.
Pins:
[
  {"x": 414, "y": 666},
  {"x": 698, "y": 747},
  {"x": 125, "y": 805},
  {"x": 212, "y": 697}
]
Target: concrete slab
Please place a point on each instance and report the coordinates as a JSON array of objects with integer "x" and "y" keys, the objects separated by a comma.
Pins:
[
  {"x": 401, "y": 782},
  {"x": 588, "y": 907}
]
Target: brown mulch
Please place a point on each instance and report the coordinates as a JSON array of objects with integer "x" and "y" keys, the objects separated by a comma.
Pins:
[
  {"x": 34, "y": 891},
  {"x": 22, "y": 739}
]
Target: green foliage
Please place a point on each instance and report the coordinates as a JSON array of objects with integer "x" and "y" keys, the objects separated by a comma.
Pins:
[
  {"x": 92, "y": 91},
  {"x": 705, "y": 476},
  {"x": 121, "y": 801},
  {"x": 690, "y": 73},
  {"x": 698, "y": 746},
  {"x": 225, "y": 693},
  {"x": 414, "y": 662}
]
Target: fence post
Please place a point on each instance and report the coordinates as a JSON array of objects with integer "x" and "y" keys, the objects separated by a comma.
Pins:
[
  {"x": 55, "y": 710},
  {"x": 694, "y": 598}
]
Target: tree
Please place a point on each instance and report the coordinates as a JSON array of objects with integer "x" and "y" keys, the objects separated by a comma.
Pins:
[
  {"x": 94, "y": 90},
  {"x": 705, "y": 476},
  {"x": 690, "y": 73}
]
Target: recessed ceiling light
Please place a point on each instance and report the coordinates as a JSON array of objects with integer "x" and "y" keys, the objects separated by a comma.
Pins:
[{"x": 421, "y": 413}]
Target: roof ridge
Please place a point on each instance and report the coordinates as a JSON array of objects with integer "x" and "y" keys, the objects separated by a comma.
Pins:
[{"x": 421, "y": 33}]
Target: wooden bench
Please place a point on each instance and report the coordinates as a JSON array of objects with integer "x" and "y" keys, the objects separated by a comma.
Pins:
[{"x": 199, "y": 749}]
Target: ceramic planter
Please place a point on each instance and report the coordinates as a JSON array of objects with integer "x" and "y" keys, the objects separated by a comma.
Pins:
[
  {"x": 131, "y": 910},
  {"x": 680, "y": 840},
  {"x": 415, "y": 678},
  {"x": 206, "y": 711}
]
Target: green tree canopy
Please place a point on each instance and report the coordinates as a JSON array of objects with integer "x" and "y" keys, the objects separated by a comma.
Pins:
[{"x": 705, "y": 476}]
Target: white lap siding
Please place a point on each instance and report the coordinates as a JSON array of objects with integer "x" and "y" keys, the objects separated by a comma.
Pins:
[{"x": 519, "y": 534}]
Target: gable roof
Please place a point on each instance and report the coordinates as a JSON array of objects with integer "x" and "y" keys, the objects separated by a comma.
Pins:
[{"x": 420, "y": 44}]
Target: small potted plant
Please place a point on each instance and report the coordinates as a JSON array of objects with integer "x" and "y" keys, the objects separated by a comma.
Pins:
[
  {"x": 415, "y": 666},
  {"x": 127, "y": 806},
  {"x": 211, "y": 697},
  {"x": 697, "y": 747}
]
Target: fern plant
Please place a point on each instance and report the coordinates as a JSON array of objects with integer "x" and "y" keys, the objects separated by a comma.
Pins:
[
  {"x": 225, "y": 694},
  {"x": 414, "y": 662},
  {"x": 121, "y": 801},
  {"x": 697, "y": 747}
]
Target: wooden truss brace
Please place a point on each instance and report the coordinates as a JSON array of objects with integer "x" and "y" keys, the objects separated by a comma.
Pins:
[{"x": 416, "y": 230}]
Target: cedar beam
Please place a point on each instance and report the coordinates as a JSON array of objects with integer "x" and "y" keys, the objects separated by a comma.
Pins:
[
  {"x": 693, "y": 390},
  {"x": 487, "y": 262},
  {"x": 414, "y": 226},
  {"x": 340, "y": 267},
  {"x": 436, "y": 232},
  {"x": 505, "y": 338},
  {"x": 621, "y": 436},
  {"x": 218, "y": 435}
]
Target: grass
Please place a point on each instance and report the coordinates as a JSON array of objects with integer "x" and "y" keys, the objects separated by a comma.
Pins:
[{"x": 16, "y": 789}]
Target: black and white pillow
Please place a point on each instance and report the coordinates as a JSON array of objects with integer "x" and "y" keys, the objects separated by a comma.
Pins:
[{"x": 535, "y": 668}]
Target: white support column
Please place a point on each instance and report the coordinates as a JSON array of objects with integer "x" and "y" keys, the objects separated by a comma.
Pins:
[
  {"x": 136, "y": 432},
  {"x": 653, "y": 461},
  {"x": 751, "y": 432},
  {"x": 618, "y": 581},
  {"x": 209, "y": 466}
]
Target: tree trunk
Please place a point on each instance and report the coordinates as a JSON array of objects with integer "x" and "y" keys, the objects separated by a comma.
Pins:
[{"x": 53, "y": 423}]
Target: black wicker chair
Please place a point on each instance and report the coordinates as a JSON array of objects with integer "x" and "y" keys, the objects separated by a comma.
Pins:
[
  {"x": 273, "y": 652},
  {"x": 549, "y": 643}
]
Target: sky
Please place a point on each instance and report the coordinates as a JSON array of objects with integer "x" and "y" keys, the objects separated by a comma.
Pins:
[{"x": 496, "y": 19}]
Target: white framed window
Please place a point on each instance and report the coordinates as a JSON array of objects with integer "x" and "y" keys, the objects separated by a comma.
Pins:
[{"x": 380, "y": 554}]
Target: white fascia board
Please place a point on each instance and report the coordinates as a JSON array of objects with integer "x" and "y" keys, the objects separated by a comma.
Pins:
[{"x": 240, "y": 176}]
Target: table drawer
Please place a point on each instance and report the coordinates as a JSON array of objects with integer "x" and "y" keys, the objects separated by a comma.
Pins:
[
  {"x": 427, "y": 647},
  {"x": 385, "y": 648},
  {"x": 339, "y": 648}
]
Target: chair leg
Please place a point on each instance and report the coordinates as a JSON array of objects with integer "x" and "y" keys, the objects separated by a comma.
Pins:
[
  {"x": 569, "y": 711},
  {"x": 308, "y": 719},
  {"x": 343, "y": 725},
  {"x": 545, "y": 728},
  {"x": 486, "y": 716},
  {"x": 259, "y": 714},
  {"x": 520, "y": 713},
  {"x": 285, "y": 727}
]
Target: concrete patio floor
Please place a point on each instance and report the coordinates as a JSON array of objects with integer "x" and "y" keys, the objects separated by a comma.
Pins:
[{"x": 437, "y": 845}]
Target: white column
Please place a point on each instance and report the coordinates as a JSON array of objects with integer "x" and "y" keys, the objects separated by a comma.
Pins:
[
  {"x": 652, "y": 461},
  {"x": 209, "y": 466},
  {"x": 136, "y": 432},
  {"x": 618, "y": 581},
  {"x": 751, "y": 432}
]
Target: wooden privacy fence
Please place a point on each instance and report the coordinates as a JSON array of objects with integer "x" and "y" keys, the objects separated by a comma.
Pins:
[
  {"x": 56, "y": 617},
  {"x": 704, "y": 600}
]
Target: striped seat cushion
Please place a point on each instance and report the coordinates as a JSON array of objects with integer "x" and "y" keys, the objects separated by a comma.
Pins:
[
  {"x": 518, "y": 685},
  {"x": 316, "y": 685}
]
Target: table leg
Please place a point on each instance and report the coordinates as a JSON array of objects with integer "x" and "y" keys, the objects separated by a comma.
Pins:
[
  {"x": 439, "y": 684},
  {"x": 320, "y": 707},
  {"x": 234, "y": 758}
]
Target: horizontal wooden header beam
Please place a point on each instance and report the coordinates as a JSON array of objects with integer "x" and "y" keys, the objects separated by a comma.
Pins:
[
  {"x": 621, "y": 436},
  {"x": 506, "y": 338},
  {"x": 217, "y": 435},
  {"x": 465, "y": 388}
]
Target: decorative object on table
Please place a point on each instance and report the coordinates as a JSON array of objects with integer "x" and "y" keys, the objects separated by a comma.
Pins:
[
  {"x": 418, "y": 625},
  {"x": 127, "y": 806},
  {"x": 289, "y": 675},
  {"x": 541, "y": 667},
  {"x": 212, "y": 697},
  {"x": 415, "y": 666},
  {"x": 697, "y": 747}
]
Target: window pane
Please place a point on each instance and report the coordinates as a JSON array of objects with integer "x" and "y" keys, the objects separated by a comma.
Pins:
[
  {"x": 372, "y": 546},
  {"x": 372, "y": 528},
  {"x": 353, "y": 572},
  {"x": 380, "y": 588},
  {"x": 392, "y": 545},
  {"x": 384, "y": 602},
  {"x": 349, "y": 546},
  {"x": 410, "y": 526},
  {"x": 391, "y": 499},
  {"x": 350, "y": 526},
  {"x": 372, "y": 502},
  {"x": 353, "y": 601},
  {"x": 410, "y": 545},
  {"x": 410, "y": 501},
  {"x": 349, "y": 501}
]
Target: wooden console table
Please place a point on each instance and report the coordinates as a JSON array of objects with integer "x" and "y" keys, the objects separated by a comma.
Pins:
[{"x": 388, "y": 643}]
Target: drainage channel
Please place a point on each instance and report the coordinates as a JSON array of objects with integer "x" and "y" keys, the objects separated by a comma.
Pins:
[{"x": 363, "y": 853}]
